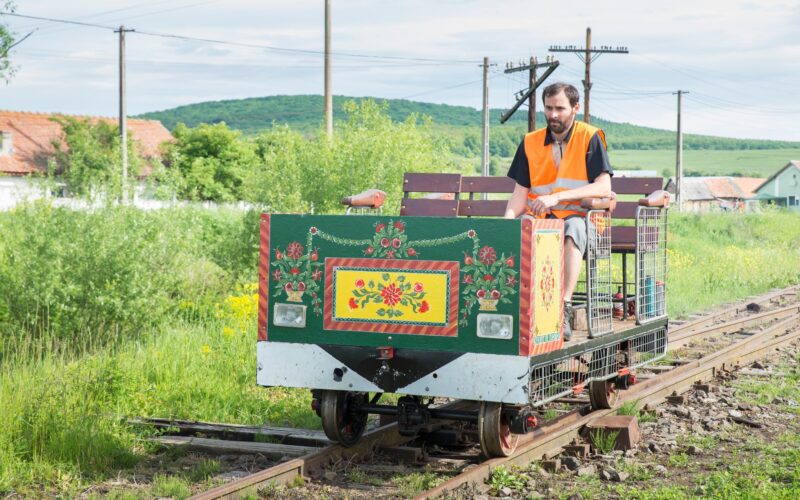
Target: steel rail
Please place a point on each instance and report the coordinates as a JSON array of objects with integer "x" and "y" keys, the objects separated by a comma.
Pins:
[
  {"x": 549, "y": 440},
  {"x": 735, "y": 308},
  {"x": 313, "y": 464},
  {"x": 545, "y": 441},
  {"x": 734, "y": 325}
]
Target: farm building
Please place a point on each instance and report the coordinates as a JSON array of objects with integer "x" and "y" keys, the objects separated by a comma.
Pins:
[
  {"x": 783, "y": 187},
  {"x": 708, "y": 194},
  {"x": 27, "y": 146}
]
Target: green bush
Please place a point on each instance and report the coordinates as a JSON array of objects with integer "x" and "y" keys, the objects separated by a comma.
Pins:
[{"x": 90, "y": 277}]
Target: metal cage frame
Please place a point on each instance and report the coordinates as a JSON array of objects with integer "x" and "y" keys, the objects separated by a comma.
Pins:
[
  {"x": 569, "y": 373},
  {"x": 599, "y": 294},
  {"x": 651, "y": 264}
]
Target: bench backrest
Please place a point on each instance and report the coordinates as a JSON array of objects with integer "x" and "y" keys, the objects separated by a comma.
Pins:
[
  {"x": 448, "y": 195},
  {"x": 452, "y": 194},
  {"x": 445, "y": 188}
]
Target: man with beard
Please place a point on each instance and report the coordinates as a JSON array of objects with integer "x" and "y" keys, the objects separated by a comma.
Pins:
[{"x": 554, "y": 168}]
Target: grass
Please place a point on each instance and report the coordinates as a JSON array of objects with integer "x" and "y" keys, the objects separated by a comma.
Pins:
[
  {"x": 186, "y": 371},
  {"x": 170, "y": 486},
  {"x": 183, "y": 364},
  {"x": 714, "y": 259},
  {"x": 603, "y": 441},
  {"x": 411, "y": 485},
  {"x": 787, "y": 387},
  {"x": 502, "y": 477},
  {"x": 632, "y": 408}
]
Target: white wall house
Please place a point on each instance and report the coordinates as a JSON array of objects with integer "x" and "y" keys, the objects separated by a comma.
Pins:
[{"x": 27, "y": 146}]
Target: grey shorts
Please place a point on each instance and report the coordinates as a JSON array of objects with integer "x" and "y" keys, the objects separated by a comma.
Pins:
[{"x": 575, "y": 228}]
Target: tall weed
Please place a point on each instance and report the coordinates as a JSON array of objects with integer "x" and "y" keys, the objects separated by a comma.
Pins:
[{"x": 85, "y": 278}]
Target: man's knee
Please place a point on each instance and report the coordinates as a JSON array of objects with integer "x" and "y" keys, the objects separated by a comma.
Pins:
[{"x": 575, "y": 233}]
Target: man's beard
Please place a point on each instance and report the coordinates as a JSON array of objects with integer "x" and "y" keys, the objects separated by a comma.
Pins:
[{"x": 558, "y": 126}]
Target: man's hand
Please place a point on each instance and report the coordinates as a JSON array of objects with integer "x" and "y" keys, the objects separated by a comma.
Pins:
[{"x": 542, "y": 204}]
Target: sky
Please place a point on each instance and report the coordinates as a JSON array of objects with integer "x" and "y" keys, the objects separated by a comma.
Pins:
[{"x": 739, "y": 60}]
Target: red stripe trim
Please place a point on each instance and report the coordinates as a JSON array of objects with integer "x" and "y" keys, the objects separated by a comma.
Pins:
[
  {"x": 525, "y": 288},
  {"x": 263, "y": 278}
]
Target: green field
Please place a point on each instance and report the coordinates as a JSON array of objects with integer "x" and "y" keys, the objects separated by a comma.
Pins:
[
  {"x": 741, "y": 163},
  {"x": 746, "y": 163}
]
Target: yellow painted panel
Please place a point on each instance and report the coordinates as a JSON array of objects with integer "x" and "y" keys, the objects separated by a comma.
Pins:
[
  {"x": 391, "y": 296},
  {"x": 547, "y": 286}
]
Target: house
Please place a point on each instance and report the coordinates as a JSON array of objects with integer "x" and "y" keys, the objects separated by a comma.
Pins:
[
  {"x": 782, "y": 188},
  {"x": 27, "y": 146},
  {"x": 707, "y": 194}
]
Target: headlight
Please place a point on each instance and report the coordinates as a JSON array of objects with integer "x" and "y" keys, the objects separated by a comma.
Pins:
[
  {"x": 291, "y": 315},
  {"x": 495, "y": 326}
]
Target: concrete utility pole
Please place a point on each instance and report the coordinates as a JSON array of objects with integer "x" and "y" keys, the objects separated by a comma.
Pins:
[
  {"x": 328, "y": 95},
  {"x": 485, "y": 147},
  {"x": 530, "y": 93},
  {"x": 585, "y": 55},
  {"x": 679, "y": 154},
  {"x": 532, "y": 98},
  {"x": 123, "y": 121}
]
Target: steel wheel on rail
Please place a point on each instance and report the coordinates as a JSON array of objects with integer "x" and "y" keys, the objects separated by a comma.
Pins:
[
  {"x": 603, "y": 394},
  {"x": 342, "y": 424},
  {"x": 495, "y": 432}
]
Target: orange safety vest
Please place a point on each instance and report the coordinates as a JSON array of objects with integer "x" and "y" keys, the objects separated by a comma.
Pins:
[{"x": 546, "y": 178}]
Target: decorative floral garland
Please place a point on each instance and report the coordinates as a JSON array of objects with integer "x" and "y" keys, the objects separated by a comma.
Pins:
[{"x": 486, "y": 279}]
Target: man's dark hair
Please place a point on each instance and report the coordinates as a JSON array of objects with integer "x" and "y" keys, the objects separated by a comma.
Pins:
[{"x": 569, "y": 90}]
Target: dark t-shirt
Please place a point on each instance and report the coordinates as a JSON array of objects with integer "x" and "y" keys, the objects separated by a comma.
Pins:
[{"x": 596, "y": 160}]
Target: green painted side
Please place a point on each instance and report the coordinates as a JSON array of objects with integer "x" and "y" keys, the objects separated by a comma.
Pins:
[{"x": 442, "y": 239}]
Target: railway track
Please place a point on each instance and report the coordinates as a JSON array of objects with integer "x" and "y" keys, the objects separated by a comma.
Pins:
[{"x": 717, "y": 341}]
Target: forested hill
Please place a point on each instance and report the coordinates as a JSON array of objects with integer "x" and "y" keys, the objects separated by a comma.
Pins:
[{"x": 304, "y": 112}]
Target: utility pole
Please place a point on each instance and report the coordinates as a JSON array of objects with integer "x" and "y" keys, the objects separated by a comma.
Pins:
[
  {"x": 485, "y": 147},
  {"x": 588, "y": 55},
  {"x": 530, "y": 93},
  {"x": 679, "y": 154},
  {"x": 328, "y": 95},
  {"x": 123, "y": 121},
  {"x": 532, "y": 98}
]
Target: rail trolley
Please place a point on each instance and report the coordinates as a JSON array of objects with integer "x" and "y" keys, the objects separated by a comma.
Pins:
[{"x": 353, "y": 307}]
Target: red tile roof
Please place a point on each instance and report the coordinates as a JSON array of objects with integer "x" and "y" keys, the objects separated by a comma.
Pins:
[
  {"x": 722, "y": 187},
  {"x": 748, "y": 185},
  {"x": 33, "y": 134}
]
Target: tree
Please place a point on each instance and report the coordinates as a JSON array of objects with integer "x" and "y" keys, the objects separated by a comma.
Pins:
[
  {"x": 88, "y": 158},
  {"x": 370, "y": 150},
  {"x": 209, "y": 162},
  {"x": 6, "y": 42}
]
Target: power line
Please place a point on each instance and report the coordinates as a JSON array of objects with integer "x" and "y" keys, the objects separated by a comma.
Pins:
[
  {"x": 45, "y": 54},
  {"x": 56, "y": 30},
  {"x": 246, "y": 45},
  {"x": 432, "y": 91}
]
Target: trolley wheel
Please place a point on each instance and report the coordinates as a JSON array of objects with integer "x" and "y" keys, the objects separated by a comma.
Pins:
[
  {"x": 342, "y": 424},
  {"x": 495, "y": 431},
  {"x": 603, "y": 394}
]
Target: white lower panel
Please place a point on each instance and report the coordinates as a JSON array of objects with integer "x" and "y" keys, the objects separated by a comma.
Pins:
[
  {"x": 305, "y": 365},
  {"x": 481, "y": 377}
]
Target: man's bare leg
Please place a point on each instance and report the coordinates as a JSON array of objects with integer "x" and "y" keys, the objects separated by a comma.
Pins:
[{"x": 572, "y": 268}]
